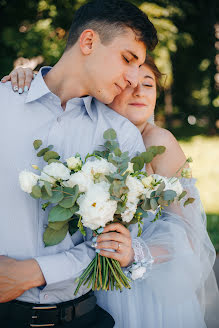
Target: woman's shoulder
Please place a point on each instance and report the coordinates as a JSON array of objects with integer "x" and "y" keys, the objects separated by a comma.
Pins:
[
  {"x": 172, "y": 159},
  {"x": 155, "y": 135}
]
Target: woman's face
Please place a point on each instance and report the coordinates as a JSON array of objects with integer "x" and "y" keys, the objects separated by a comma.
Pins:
[{"x": 137, "y": 104}]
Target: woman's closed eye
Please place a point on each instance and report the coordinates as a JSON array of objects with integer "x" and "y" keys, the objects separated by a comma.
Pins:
[
  {"x": 147, "y": 85},
  {"x": 127, "y": 61}
]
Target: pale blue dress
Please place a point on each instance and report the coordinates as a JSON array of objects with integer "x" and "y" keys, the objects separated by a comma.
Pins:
[{"x": 178, "y": 289}]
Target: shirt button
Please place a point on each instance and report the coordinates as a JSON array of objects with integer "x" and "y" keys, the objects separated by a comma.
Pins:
[
  {"x": 59, "y": 119},
  {"x": 46, "y": 296},
  {"x": 51, "y": 97}
]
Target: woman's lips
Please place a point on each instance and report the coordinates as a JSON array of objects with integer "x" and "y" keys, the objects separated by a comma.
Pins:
[{"x": 137, "y": 104}]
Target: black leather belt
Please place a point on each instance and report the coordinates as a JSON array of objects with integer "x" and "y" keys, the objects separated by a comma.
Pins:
[{"x": 48, "y": 315}]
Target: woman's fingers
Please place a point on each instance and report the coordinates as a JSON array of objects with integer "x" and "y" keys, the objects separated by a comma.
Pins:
[
  {"x": 6, "y": 78},
  {"x": 29, "y": 76},
  {"x": 20, "y": 78},
  {"x": 117, "y": 227},
  {"x": 115, "y": 237},
  {"x": 117, "y": 246}
]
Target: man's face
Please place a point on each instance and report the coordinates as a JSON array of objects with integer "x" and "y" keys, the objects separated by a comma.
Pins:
[{"x": 111, "y": 68}]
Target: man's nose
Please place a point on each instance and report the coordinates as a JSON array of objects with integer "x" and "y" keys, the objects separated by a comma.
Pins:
[{"x": 132, "y": 77}]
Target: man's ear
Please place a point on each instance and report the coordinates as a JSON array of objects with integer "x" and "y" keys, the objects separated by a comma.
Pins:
[{"x": 87, "y": 40}]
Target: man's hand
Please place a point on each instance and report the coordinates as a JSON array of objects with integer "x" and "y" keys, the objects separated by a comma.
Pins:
[
  {"x": 116, "y": 236},
  {"x": 18, "y": 276}
]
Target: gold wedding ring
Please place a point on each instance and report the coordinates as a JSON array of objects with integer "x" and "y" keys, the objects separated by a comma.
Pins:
[{"x": 118, "y": 248}]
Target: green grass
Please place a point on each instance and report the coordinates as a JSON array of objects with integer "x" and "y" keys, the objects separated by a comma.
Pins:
[
  {"x": 205, "y": 167},
  {"x": 213, "y": 229}
]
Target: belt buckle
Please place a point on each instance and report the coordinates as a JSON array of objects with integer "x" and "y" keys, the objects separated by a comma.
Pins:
[{"x": 34, "y": 317}]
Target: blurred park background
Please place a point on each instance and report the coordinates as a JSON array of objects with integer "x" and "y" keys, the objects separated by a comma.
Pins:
[{"x": 33, "y": 33}]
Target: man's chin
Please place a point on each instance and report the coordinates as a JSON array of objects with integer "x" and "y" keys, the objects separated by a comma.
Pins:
[{"x": 106, "y": 99}]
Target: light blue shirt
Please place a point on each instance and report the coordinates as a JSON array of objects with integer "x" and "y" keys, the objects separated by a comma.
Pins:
[{"x": 38, "y": 115}]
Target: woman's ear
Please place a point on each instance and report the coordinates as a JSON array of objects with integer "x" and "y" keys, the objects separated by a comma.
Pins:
[{"x": 86, "y": 41}]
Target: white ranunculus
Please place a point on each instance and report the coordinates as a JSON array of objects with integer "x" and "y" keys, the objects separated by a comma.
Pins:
[
  {"x": 128, "y": 214},
  {"x": 98, "y": 166},
  {"x": 81, "y": 179},
  {"x": 74, "y": 163},
  {"x": 138, "y": 273},
  {"x": 95, "y": 206},
  {"x": 57, "y": 171},
  {"x": 28, "y": 180}
]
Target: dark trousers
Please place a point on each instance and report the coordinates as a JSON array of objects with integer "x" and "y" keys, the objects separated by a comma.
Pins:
[{"x": 98, "y": 319}]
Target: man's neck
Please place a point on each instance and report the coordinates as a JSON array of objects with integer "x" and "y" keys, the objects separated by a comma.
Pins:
[{"x": 66, "y": 81}]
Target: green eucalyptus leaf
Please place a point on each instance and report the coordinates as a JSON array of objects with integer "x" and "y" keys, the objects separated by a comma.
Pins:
[
  {"x": 118, "y": 188},
  {"x": 53, "y": 237},
  {"x": 147, "y": 156},
  {"x": 37, "y": 143},
  {"x": 154, "y": 204},
  {"x": 169, "y": 194},
  {"x": 110, "y": 134},
  {"x": 182, "y": 195},
  {"x": 163, "y": 202},
  {"x": 45, "y": 195},
  {"x": 117, "y": 152},
  {"x": 189, "y": 201},
  {"x": 59, "y": 213},
  {"x": 50, "y": 155},
  {"x": 160, "y": 189},
  {"x": 74, "y": 209},
  {"x": 57, "y": 225},
  {"x": 52, "y": 160},
  {"x": 146, "y": 206},
  {"x": 42, "y": 152},
  {"x": 36, "y": 192},
  {"x": 138, "y": 163},
  {"x": 57, "y": 194},
  {"x": 160, "y": 150},
  {"x": 48, "y": 188},
  {"x": 153, "y": 150}
]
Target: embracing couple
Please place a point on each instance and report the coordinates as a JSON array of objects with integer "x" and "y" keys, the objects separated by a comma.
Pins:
[{"x": 103, "y": 80}]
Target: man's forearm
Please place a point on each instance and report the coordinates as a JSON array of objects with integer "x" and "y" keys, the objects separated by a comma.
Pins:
[{"x": 18, "y": 276}]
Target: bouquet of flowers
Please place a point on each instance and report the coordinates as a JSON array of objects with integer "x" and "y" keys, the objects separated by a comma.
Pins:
[{"x": 106, "y": 187}]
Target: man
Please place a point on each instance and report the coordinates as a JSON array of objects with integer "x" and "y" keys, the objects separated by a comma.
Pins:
[{"x": 106, "y": 45}]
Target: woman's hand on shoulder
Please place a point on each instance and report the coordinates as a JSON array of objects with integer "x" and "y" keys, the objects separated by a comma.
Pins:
[
  {"x": 168, "y": 163},
  {"x": 20, "y": 78}
]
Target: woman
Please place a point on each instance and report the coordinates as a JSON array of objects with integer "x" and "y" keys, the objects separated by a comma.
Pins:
[{"x": 175, "y": 250}]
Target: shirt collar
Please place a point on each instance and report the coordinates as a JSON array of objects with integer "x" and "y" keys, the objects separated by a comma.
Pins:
[
  {"x": 38, "y": 86},
  {"x": 39, "y": 89}
]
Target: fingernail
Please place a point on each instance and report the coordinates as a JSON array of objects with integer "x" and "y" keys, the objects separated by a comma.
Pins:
[
  {"x": 2, "y": 80},
  {"x": 26, "y": 88},
  {"x": 94, "y": 239},
  {"x": 20, "y": 90},
  {"x": 97, "y": 250},
  {"x": 100, "y": 230},
  {"x": 15, "y": 88}
]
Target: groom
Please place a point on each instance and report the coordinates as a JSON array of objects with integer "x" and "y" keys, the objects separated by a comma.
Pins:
[{"x": 107, "y": 43}]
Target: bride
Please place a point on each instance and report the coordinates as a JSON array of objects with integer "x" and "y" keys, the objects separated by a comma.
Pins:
[{"x": 178, "y": 288}]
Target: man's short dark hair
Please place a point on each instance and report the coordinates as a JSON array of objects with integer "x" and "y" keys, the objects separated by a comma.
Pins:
[{"x": 109, "y": 18}]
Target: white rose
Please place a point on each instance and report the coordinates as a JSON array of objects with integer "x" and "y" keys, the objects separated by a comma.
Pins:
[
  {"x": 95, "y": 206},
  {"x": 136, "y": 188},
  {"x": 81, "y": 179},
  {"x": 57, "y": 171},
  {"x": 98, "y": 166},
  {"x": 28, "y": 180},
  {"x": 74, "y": 163},
  {"x": 138, "y": 273}
]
